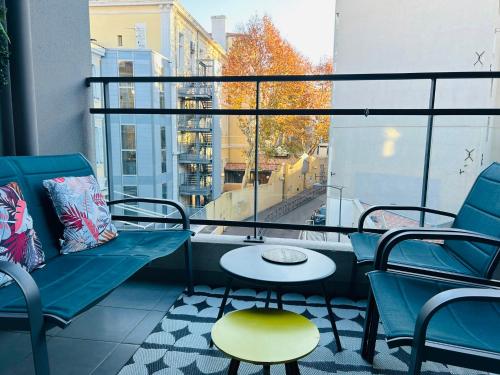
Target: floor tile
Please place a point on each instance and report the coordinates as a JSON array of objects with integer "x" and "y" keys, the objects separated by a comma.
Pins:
[
  {"x": 116, "y": 360},
  {"x": 136, "y": 294},
  {"x": 15, "y": 346},
  {"x": 167, "y": 300},
  {"x": 104, "y": 323},
  {"x": 144, "y": 328},
  {"x": 69, "y": 357}
]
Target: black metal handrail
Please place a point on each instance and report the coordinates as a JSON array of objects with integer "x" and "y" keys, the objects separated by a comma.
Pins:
[{"x": 430, "y": 112}]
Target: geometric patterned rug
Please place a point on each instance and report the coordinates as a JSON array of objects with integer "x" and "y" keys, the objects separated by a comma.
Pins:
[{"x": 179, "y": 344}]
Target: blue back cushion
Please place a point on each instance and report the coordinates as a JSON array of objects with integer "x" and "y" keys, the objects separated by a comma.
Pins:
[
  {"x": 29, "y": 172},
  {"x": 480, "y": 213}
]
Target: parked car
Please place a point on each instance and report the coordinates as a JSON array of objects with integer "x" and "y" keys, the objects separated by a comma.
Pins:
[{"x": 319, "y": 216}]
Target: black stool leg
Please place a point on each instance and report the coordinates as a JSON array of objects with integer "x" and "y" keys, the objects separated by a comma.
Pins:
[
  {"x": 266, "y": 370},
  {"x": 233, "y": 367},
  {"x": 268, "y": 298},
  {"x": 331, "y": 316},
  {"x": 223, "y": 304}
]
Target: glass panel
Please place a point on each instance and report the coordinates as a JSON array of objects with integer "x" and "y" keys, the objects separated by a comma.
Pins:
[
  {"x": 461, "y": 148},
  {"x": 330, "y": 181},
  {"x": 130, "y": 192}
]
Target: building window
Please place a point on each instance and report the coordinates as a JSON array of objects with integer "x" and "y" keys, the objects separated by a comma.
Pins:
[
  {"x": 127, "y": 89},
  {"x": 164, "y": 190},
  {"x": 130, "y": 191},
  {"x": 180, "y": 57},
  {"x": 233, "y": 177},
  {"x": 120, "y": 40},
  {"x": 163, "y": 147},
  {"x": 129, "y": 153}
]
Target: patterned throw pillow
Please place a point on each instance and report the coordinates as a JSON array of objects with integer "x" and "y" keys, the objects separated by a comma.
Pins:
[
  {"x": 83, "y": 212},
  {"x": 18, "y": 240}
]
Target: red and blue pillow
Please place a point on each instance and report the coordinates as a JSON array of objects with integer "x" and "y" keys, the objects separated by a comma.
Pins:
[
  {"x": 82, "y": 210},
  {"x": 18, "y": 240}
]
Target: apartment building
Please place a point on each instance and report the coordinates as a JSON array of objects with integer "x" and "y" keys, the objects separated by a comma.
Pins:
[
  {"x": 161, "y": 38},
  {"x": 380, "y": 160}
]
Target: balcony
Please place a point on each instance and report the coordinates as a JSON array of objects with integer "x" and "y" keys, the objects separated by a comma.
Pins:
[
  {"x": 194, "y": 184},
  {"x": 145, "y": 325},
  {"x": 196, "y": 91},
  {"x": 194, "y": 123}
]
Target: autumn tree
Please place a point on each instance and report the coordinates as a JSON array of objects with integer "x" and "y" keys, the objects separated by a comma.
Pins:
[{"x": 261, "y": 50}]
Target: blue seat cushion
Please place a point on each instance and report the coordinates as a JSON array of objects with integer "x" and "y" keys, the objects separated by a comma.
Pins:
[
  {"x": 412, "y": 253},
  {"x": 150, "y": 244},
  {"x": 400, "y": 297},
  {"x": 70, "y": 284}
]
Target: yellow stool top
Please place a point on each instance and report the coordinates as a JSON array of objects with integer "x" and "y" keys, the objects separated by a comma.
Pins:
[{"x": 265, "y": 336}]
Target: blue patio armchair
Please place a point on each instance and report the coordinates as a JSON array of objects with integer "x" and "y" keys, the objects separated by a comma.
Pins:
[
  {"x": 480, "y": 213},
  {"x": 447, "y": 321}
]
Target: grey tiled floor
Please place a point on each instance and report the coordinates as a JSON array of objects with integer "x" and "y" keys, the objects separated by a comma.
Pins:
[{"x": 101, "y": 340}]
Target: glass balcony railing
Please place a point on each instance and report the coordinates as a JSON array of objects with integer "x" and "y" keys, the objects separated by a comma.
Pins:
[{"x": 279, "y": 170}]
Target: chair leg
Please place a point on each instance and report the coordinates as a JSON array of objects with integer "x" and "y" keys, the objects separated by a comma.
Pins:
[
  {"x": 415, "y": 362},
  {"x": 370, "y": 330},
  {"x": 331, "y": 316},
  {"x": 417, "y": 355},
  {"x": 189, "y": 266},
  {"x": 39, "y": 347},
  {"x": 233, "y": 367}
]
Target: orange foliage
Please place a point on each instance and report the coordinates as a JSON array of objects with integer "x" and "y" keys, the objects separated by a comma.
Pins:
[{"x": 261, "y": 50}]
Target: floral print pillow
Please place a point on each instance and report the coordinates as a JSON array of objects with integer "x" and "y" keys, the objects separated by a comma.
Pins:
[
  {"x": 83, "y": 212},
  {"x": 18, "y": 240}
]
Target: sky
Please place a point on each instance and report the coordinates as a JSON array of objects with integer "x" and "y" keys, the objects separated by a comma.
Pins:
[{"x": 306, "y": 24}]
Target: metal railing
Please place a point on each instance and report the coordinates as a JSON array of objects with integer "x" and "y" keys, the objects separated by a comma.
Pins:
[{"x": 198, "y": 82}]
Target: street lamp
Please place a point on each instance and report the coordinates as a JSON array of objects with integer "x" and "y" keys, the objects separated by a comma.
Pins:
[{"x": 339, "y": 188}]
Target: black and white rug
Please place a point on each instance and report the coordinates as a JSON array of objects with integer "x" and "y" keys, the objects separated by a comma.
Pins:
[{"x": 179, "y": 344}]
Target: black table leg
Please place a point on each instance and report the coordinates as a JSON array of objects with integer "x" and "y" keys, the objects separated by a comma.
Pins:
[
  {"x": 331, "y": 316},
  {"x": 292, "y": 368},
  {"x": 268, "y": 298},
  {"x": 266, "y": 370},
  {"x": 223, "y": 304},
  {"x": 279, "y": 295},
  {"x": 233, "y": 367}
]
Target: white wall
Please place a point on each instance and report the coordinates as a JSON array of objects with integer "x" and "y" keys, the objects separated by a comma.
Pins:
[
  {"x": 61, "y": 55},
  {"x": 380, "y": 159}
]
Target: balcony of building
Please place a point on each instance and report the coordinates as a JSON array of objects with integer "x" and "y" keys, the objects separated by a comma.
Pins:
[
  {"x": 195, "y": 91},
  {"x": 195, "y": 153},
  {"x": 194, "y": 123},
  {"x": 195, "y": 184},
  {"x": 149, "y": 324}
]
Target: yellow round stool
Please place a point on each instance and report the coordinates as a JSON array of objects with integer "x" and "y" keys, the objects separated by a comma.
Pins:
[{"x": 265, "y": 337}]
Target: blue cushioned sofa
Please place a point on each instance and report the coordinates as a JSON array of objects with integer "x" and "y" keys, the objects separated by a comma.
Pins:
[{"x": 70, "y": 284}]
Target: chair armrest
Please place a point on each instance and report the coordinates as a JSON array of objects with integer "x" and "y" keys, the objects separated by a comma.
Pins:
[
  {"x": 368, "y": 211},
  {"x": 30, "y": 291},
  {"x": 384, "y": 247},
  {"x": 443, "y": 299},
  {"x": 179, "y": 206}
]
